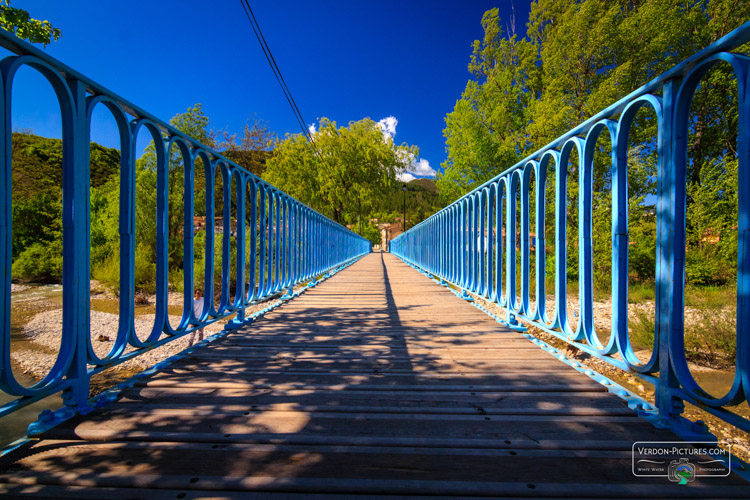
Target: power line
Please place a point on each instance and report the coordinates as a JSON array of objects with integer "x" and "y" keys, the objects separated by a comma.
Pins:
[{"x": 276, "y": 71}]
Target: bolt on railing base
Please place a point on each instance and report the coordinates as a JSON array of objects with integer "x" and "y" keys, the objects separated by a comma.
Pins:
[
  {"x": 235, "y": 324},
  {"x": 518, "y": 327}
]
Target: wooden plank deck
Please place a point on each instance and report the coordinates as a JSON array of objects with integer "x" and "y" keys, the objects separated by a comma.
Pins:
[{"x": 376, "y": 382}]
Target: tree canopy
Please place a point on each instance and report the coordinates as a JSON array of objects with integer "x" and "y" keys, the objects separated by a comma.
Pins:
[
  {"x": 345, "y": 173},
  {"x": 37, "y": 201},
  {"x": 20, "y": 23}
]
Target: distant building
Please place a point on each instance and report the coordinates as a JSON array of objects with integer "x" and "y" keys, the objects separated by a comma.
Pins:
[
  {"x": 199, "y": 224},
  {"x": 388, "y": 232}
]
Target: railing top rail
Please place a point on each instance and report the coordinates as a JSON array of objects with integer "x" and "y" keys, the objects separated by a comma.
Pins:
[
  {"x": 730, "y": 41},
  {"x": 20, "y": 47}
]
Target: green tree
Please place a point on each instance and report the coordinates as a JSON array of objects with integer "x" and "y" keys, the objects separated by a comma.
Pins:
[
  {"x": 20, "y": 23},
  {"x": 371, "y": 232},
  {"x": 486, "y": 132},
  {"x": 712, "y": 225},
  {"x": 37, "y": 205},
  {"x": 345, "y": 173}
]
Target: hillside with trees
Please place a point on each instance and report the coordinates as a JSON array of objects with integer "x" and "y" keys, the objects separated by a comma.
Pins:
[
  {"x": 37, "y": 202},
  {"x": 422, "y": 200}
]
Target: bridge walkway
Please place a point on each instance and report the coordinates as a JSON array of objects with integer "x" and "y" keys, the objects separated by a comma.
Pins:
[{"x": 378, "y": 381}]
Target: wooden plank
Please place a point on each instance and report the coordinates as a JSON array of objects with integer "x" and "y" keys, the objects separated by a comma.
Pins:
[
  {"x": 237, "y": 399},
  {"x": 217, "y": 468},
  {"x": 149, "y": 426},
  {"x": 390, "y": 352},
  {"x": 375, "y": 365},
  {"x": 21, "y": 491},
  {"x": 515, "y": 374},
  {"x": 340, "y": 382},
  {"x": 288, "y": 339}
]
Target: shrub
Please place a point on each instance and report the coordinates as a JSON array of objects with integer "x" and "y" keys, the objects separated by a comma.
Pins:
[
  {"x": 703, "y": 270},
  {"x": 641, "y": 326},
  {"x": 108, "y": 273},
  {"x": 39, "y": 262},
  {"x": 145, "y": 270}
]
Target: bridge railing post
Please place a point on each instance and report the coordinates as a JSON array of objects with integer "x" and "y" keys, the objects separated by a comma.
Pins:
[
  {"x": 76, "y": 250},
  {"x": 669, "y": 406}
]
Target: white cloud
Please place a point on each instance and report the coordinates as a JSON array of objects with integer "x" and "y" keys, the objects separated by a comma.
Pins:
[
  {"x": 405, "y": 177},
  {"x": 388, "y": 127},
  {"x": 416, "y": 168},
  {"x": 311, "y": 129},
  {"x": 421, "y": 168}
]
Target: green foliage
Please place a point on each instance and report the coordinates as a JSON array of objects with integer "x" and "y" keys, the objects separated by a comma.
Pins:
[
  {"x": 712, "y": 225},
  {"x": 37, "y": 205},
  {"x": 37, "y": 164},
  {"x": 199, "y": 252},
  {"x": 177, "y": 279},
  {"x": 346, "y": 172},
  {"x": 711, "y": 337},
  {"x": 638, "y": 293},
  {"x": 105, "y": 216},
  {"x": 145, "y": 270},
  {"x": 710, "y": 297},
  {"x": 107, "y": 272},
  {"x": 20, "y": 23},
  {"x": 485, "y": 133},
  {"x": 642, "y": 327},
  {"x": 193, "y": 123},
  {"x": 251, "y": 149},
  {"x": 422, "y": 200},
  {"x": 37, "y": 219},
  {"x": 642, "y": 253},
  {"x": 371, "y": 232},
  {"x": 710, "y": 326},
  {"x": 39, "y": 262}
]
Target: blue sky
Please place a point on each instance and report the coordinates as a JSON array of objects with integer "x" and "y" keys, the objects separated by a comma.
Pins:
[{"x": 344, "y": 60}]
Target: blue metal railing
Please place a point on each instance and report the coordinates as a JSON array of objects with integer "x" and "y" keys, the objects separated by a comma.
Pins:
[
  {"x": 288, "y": 242},
  {"x": 464, "y": 245}
]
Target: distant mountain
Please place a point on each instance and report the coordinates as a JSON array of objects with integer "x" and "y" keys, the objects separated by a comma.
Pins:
[
  {"x": 421, "y": 200},
  {"x": 425, "y": 183}
]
